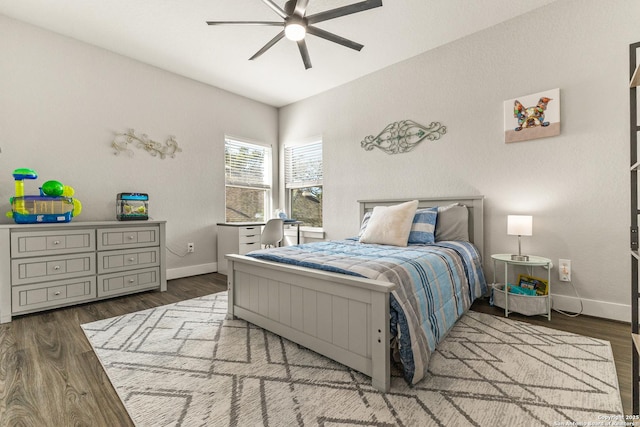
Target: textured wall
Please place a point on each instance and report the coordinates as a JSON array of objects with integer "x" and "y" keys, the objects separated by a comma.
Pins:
[
  {"x": 576, "y": 185},
  {"x": 61, "y": 103}
]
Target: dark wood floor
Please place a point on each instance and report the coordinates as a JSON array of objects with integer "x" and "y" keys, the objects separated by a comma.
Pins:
[{"x": 49, "y": 375}]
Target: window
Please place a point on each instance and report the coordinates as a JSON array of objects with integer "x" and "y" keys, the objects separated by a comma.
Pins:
[
  {"x": 303, "y": 182},
  {"x": 247, "y": 181}
]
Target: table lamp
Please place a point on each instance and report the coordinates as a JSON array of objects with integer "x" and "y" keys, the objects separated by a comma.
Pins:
[{"x": 519, "y": 225}]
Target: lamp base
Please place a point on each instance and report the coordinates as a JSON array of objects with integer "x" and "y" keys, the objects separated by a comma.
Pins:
[{"x": 519, "y": 257}]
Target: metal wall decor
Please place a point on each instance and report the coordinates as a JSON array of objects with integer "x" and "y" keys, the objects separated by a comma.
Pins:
[
  {"x": 122, "y": 141},
  {"x": 403, "y": 136}
]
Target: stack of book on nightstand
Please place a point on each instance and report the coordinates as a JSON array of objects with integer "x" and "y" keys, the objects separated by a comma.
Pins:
[{"x": 540, "y": 286}]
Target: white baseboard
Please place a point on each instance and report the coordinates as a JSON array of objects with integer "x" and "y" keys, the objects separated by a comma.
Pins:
[
  {"x": 607, "y": 310},
  {"x": 192, "y": 270}
]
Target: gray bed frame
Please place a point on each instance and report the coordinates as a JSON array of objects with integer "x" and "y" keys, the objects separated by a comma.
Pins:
[{"x": 344, "y": 318}]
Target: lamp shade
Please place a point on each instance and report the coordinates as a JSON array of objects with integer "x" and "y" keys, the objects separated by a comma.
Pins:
[{"x": 519, "y": 225}]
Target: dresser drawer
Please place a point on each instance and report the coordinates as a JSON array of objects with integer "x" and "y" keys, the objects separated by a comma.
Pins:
[
  {"x": 36, "y": 243},
  {"x": 252, "y": 230},
  {"x": 40, "y": 269},
  {"x": 112, "y": 261},
  {"x": 52, "y": 294},
  {"x": 128, "y": 281},
  {"x": 122, "y": 238}
]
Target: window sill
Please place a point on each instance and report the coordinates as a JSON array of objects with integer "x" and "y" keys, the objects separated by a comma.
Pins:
[{"x": 306, "y": 233}]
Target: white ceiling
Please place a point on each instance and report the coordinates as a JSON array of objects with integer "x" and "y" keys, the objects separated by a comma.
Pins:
[{"x": 172, "y": 35}]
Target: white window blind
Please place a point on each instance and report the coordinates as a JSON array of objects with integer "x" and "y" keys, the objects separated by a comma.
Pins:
[
  {"x": 303, "y": 165},
  {"x": 246, "y": 164}
]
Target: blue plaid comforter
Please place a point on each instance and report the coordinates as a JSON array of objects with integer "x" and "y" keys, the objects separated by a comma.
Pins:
[{"x": 436, "y": 284}]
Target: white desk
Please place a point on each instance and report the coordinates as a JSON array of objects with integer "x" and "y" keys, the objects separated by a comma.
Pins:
[
  {"x": 297, "y": 224},
  {"x": 241, "y": 238},
  {"x": 237, "y": 238}
]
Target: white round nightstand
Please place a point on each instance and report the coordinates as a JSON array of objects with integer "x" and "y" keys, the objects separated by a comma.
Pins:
[{"x": 533, "y": 261}]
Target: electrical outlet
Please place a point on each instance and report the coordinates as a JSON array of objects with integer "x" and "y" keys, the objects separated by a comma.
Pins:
[
  {"x": 564, "y": 270},
  {"x": 190, "y": 248}
]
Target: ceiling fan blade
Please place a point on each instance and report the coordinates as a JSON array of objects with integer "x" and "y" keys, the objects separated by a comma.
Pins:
[
  {"x": 277, "y": 9},
  {"x": 245, "y": 23},
  {"x": 334, "y": 38},
  {"x": 304, "y": 52},
  {"x": 344, "y": 10},
  {"x": 267, "y": 46},
  {"x": 301, "y": 7}
]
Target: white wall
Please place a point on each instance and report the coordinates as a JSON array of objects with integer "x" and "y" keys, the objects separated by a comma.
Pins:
[
  {"x": 576, "y": 185},
  {"x": 61, "y": 103}
]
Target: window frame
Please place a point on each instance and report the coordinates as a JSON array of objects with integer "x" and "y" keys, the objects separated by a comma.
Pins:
[
  {"x": 290, "y": 187},
  {"x": 266, "y": 186}
]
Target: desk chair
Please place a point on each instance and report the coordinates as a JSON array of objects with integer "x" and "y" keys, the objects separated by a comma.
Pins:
[{"x": 273, "y": 233}]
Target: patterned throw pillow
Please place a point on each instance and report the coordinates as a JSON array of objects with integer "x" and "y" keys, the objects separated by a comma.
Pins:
[
  {"x": 365, "y": 221},
  {"x": 424, "y": 226}
]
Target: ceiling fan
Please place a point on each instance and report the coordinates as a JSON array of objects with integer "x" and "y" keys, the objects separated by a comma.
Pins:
[{"x": 296, "y": 24}]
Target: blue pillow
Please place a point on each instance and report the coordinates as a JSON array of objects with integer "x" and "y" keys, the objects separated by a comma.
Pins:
[
  {"x": 424, "y": 226},
  {"x": 365, "y": 221}
]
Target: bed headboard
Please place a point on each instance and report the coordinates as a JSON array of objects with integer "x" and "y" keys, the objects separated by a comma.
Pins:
[{"x": 473, "y": 203}]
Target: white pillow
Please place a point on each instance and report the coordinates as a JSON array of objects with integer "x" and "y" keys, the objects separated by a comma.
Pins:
[{"x": 390, "y": 225}]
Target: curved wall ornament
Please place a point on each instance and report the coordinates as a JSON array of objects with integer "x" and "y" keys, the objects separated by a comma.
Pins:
[
  {"x": 403, "y": 136},
  {"x": 122, "y": 141}
]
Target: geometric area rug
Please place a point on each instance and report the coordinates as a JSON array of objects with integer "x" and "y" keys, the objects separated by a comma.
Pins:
[{"x": 185, "y": 364}]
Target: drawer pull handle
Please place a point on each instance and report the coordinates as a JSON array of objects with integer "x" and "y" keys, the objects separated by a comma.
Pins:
[
  {"x": 131, "y": 280},
  {"x": 56, "y": 293},
  {"x": 131, "y": 259},
  {"x": 251, "y": 235},
  {"x": 250, "y": 228},
  {"x": 56, "y": 242},
  {"x": 131, "y": 237},
  {"x": 57, "y": 267}
]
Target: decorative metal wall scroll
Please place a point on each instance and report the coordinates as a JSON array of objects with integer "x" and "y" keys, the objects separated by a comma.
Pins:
[
  {"x": 403, "y": 136},
  {"x": 122, "y": 141}
]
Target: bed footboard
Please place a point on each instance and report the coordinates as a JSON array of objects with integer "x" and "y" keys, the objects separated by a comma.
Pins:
[{"x": 342, "y": 317}]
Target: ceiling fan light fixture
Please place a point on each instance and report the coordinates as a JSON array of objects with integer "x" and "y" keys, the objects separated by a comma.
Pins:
[
  {"x": 297, "y": 24},
  {"x": 295, "y": 30}
]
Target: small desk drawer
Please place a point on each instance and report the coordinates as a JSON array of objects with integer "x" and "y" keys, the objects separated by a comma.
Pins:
[
  {"x": 52, "y": 294},
  {"x": 112, "y": 261},
  {"x": 243, "y": 248},
  {"x": 252, "y": 230},
  {"x": 36, "y": 243},
  {"x": 128, "y": 281},
  {"x": 33, "y": 270},
  {"x": 121, "y": 238},
  {"x": 252, "y": 238}
]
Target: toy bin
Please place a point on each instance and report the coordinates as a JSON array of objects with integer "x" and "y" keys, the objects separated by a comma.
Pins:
[
  {"x": 132, "y": 206},
  {"x": 41, "y": 209},
  {"x": 529, "y": 305}
]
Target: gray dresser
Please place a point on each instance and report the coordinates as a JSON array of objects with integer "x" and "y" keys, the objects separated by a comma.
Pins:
[{"x": 44, "y": 266}]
